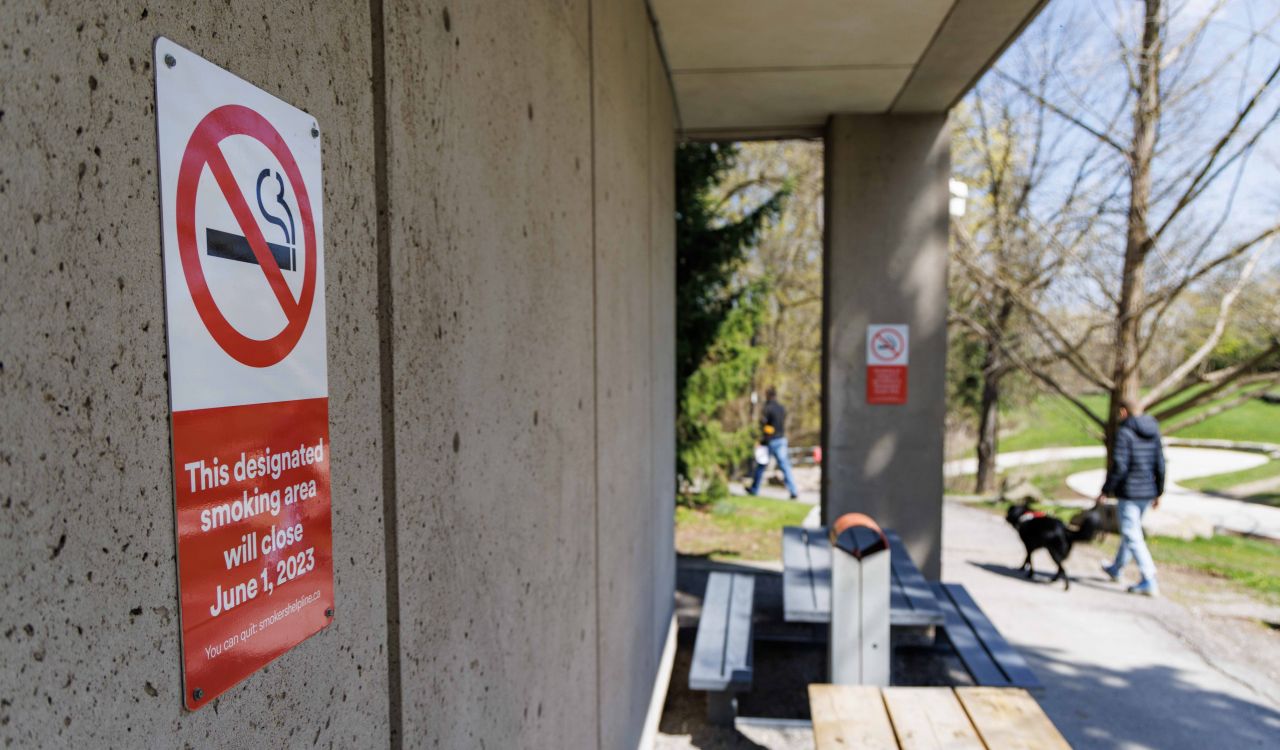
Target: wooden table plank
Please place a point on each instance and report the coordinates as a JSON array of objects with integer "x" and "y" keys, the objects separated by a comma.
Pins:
[
  {"x": 930, "y": 718},
  {"x": 850, "y": 716},
  {"x": 1010, "y": 719}
]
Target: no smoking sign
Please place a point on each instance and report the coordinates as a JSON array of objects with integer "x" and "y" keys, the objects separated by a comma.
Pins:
[
  {"x": 887, "y": 360},
  {"x": 243, "y": 233}
]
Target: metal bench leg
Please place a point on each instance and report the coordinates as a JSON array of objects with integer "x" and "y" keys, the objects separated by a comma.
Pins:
[{"x": 722, "y": 708}]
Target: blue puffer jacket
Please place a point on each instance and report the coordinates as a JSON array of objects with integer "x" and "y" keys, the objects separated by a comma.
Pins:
[{"x": 1137, "y": 463}]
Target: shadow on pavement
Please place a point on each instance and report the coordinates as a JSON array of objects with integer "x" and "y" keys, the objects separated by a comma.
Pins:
[
  {"x": 1045, "y": 577},
  {"x": 1148, "y": 707}
]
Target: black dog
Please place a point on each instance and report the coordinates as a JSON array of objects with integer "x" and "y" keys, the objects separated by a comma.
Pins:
[{"x": 1039, "y": 530}]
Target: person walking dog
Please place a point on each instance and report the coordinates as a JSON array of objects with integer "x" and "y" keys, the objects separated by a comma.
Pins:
[
  {"x": 773, "y": 435},
  {"x": 1136, "y": 479}
]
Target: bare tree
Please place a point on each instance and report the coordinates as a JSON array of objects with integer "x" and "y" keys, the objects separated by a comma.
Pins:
[
  {"x": 1198, "y": 105},
  {"x": 1033, "y": 207}
]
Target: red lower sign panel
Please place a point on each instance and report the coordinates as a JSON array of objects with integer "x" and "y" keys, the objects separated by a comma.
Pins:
[
  {"x": 886, "y": 384},
  {"x": 255, "y": 559}
]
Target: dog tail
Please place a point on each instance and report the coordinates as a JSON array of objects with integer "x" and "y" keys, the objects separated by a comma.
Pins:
[{"x": 1085, "y": 527}]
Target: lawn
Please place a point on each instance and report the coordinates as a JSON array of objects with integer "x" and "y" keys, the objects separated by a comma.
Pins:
[
  {"x": 1223, "y": 482},
  {"x": 737, "y": 528},
  {"x": 1050, "y": 421},
  {"x": 1050, "y": 478},
  {"x": 1251, "y": 563}
]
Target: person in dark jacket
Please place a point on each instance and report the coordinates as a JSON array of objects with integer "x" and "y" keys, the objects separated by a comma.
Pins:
[
  {"x": 773, "y": 435},
  {"x": 1136, "y": 479}
]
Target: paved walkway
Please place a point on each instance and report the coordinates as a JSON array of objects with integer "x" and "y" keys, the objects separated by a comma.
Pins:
[
  {"x": 1187, "y": 463},
  {"x": 1181, "y": 505},
  {"x": 1122, "y": 671}
]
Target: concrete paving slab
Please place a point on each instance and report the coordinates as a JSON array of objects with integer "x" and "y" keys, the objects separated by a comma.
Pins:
[{"x": 1122, "y": 671}]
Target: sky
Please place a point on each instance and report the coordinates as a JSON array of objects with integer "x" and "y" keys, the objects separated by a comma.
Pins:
[{"x": 1076, "y": 41}]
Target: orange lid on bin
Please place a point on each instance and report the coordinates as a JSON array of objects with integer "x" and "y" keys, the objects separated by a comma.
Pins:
[{"x": 858, "y": 534}]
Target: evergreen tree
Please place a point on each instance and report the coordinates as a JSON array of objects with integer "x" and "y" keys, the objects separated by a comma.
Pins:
[{"x": 717, "y": 315}]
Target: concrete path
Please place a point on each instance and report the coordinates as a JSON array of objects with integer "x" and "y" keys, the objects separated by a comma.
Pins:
[
  {"x": 1005, "y": 461},
  {"x": 808, "y": 483},
  {"x": 1192, "y": 670},
  {"x": 1182, "y": 508},
  {"x": 1220, "y": 512}
]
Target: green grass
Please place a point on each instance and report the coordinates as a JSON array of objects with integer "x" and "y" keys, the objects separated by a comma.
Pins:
[
  {"x": 1253, "y": 564},
  {"x": 1050, "y": 421},
  {"x": 1255, "y": 421},
  {"x": 1050, "y": 478},
  {"x": 1222, "y": 482},
  {"x": 737, "y": 528}
]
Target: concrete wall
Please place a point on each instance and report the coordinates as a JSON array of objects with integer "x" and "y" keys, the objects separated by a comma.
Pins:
[
  {"x": 90, "y": 642},
  {"x": 498, "y": 200},
  {"x": 635, "y": 361},
  {"x": 886, "y": 262}
]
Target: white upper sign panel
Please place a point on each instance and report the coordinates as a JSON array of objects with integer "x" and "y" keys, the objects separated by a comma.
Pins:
[
  {"x": 887, "y": 345},
  {"x": 242, "y": 210}
]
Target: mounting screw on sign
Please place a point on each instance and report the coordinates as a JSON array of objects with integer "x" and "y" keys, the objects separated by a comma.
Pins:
[{"x": 887, "y": 356}]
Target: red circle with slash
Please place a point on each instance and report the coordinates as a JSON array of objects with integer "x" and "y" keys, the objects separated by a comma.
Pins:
[
  {"x": 203, "y": 151},
  {"x": 888, "y": 339}
]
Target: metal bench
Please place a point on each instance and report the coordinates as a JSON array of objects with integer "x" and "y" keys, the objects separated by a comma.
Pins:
[
  {"x": 988, "y": 657},
  {"x": 806, "y": 581},
  {"x": 722, "y": 658}
]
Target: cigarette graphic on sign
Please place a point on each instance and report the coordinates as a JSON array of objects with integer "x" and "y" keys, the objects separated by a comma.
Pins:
[
  {"x": 887, "y": 356},
  {"x": 232, "y": 246}
]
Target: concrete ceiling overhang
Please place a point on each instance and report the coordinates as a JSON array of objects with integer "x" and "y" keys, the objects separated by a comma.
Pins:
[{"x": 775, "y": 68}]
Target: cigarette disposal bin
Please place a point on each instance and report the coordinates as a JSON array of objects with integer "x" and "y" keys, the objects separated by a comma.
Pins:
[{"x": 859, "y": 602}]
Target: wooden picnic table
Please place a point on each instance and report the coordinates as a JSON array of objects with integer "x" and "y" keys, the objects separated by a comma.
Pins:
[
  {"x": 929, "y": 718},
  {"x": 806, "y": 581}
]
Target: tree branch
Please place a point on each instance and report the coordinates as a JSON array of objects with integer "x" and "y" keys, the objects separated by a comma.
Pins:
[
  {"x": 1180, "y": 372},
  {"x": 1060, "y": 112},
  {"x": 1224, "y": 406}
]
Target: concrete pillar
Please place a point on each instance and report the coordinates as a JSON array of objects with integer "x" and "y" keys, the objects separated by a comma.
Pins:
[{"x": 886, "y": 262}]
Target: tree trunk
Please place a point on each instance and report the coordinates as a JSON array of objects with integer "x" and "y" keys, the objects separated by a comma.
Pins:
[
  {"x": 993, "y": 371},
  {"x": 1146, "y": 116},
  {"x": 988, "y": 429}
]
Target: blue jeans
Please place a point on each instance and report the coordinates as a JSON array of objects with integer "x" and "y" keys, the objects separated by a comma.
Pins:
[
  {"x": 1132, "y": 543},
  {"x": 777, "y": 449}
]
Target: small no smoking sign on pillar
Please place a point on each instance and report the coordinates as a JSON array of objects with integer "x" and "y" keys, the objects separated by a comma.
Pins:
[
  {"x": 887, "y": 360},
  {"x": 243, "y": 233}
]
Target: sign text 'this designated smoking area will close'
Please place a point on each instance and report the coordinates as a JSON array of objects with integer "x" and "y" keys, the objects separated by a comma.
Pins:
[{"x": 240, "y": 186}]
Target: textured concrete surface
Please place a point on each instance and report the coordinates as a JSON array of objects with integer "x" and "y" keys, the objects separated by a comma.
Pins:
[
  {"x": 662, "y": 355},
  {"x": 886, "y": 262},
  {"x": 530, "y": 266},
  {"x": 90, "y": 642},
  {"x": 630, "y": 642},
  {"x": 489, "y": 158}
]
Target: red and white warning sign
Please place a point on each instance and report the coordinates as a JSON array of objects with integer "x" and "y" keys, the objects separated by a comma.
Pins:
[
  {"x": 243, "y": 231},
  {"x": 887, "y": 347}
]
